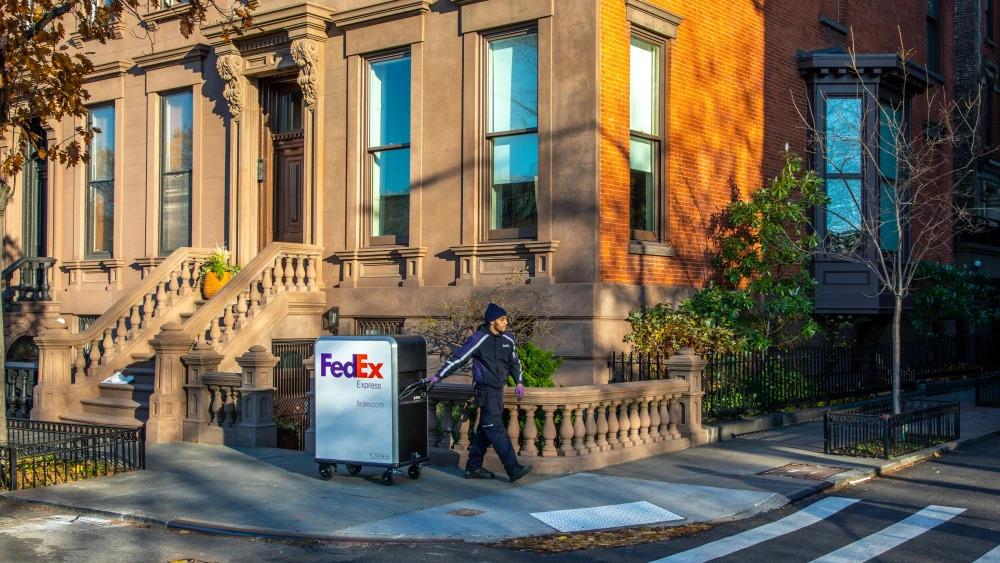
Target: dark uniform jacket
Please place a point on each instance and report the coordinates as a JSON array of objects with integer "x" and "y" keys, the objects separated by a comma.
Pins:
[{"x": 493, "y": 358}]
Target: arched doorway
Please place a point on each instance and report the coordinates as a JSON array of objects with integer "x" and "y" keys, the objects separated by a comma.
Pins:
[{"x": 20, "y": 376}]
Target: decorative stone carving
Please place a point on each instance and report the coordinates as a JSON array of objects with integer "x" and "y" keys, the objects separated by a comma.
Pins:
[
  {"x": 231, "y": 70},
  {"x": 305, "y": 53}
]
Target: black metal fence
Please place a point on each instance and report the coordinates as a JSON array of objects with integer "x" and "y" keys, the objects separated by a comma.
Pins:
[
  {"x": 41, "y": 453},
  {"x": 988, "y": 391},
  {"x": 19, "y": 387},
  {"x": 876, "y": 432},
  {"x": 766, "y": 381},
  {"x": 291, "y": 401}
]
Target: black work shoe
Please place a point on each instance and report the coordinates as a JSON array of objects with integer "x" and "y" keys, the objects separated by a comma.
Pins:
[
  {"x": 479, "y": 473},
  {"x": 518, "y": 472}
]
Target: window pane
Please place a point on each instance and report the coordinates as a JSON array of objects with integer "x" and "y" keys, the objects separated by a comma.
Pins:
[
  {"x": 644, "y": 93},
  {"x": 843, "y": 214},
  {"x": 888, "y": 232},
  {"x": 102, "y": 146},
  {"x": 389, "y": 102},
  {"x": 177, "y": 132},
  {"x": 100, "y": 217},
  {"x": 391, "y": 192},
  {"x": 843, "y": 135},
  {"x": 513, "y": 83},
  {"x": 642, "y": 208},
  {"x": 175, "y": 212},
  {"x": 515, "y": 174}
]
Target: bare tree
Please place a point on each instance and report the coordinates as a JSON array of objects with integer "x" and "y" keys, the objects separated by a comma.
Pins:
[{"x": 916, "y": 212}]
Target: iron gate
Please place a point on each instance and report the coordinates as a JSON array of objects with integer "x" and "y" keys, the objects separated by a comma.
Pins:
[{"x": 291, "y": 399}]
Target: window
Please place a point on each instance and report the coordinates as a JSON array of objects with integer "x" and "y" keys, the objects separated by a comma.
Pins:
[
  {"x": 890, "y": 132},
  {"x": 389, "y": 148},
  {"x": 101, "y": 183},
  {"x": 989, "y": 19},
  {"x": 176, "y": 130},
  {"x": 843, "y": 167},
  {"x": 646, "y": 139},
  {"x": 934, "y": 35},
  {"x": 512, "y": 134}
]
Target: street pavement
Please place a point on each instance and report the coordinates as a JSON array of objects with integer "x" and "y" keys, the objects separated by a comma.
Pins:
[
  {"x": 943, "y": 510},
  {"x": 278, "y": 493}
]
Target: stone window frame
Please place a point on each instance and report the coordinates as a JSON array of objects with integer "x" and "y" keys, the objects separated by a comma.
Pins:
[
  {"x": 367, "y": 197},
  {"x": 160, "y": 173},
  {"x": 88, "y": 226}
]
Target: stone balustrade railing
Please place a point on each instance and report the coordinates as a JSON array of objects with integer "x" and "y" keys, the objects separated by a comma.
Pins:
[
  {"x": 224, "y": 396},
  {"x": 27, "y": 279},
  {"x": 559, "y": 430}
]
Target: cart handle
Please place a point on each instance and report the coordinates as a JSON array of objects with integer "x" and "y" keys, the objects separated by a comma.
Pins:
[{"x": 409, "y": 389}]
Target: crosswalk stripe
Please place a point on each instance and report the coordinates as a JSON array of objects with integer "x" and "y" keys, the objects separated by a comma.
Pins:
[
  {"x": 807, "y": 516},
  {"x": 893, "y": 536},
  {"x": 991, "y": 556}
]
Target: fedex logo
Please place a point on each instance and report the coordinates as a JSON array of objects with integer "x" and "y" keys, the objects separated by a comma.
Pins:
[{"x": 358, "y": 367}]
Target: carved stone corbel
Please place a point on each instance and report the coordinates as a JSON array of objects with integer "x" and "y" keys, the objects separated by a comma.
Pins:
[
  {"x": 230, "y": 68},
  {"x": 305, "y": 53}
]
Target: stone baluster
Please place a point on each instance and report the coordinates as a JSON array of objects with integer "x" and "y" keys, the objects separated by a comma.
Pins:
[
  {"x": 634, "y": 422},
  {"x": 185, "y": 278},
  {"x": 311, "y": 273},
  {"x": 120, "y": 332},
  {"x": 173, "y": 286},
  {"x": 602, "y": 428},
  {"x": 462, "y": 442},
  {"x": 675, "y": 416},
  {"x": 107, "y": 345},
  {"x": 590, "y": 429},
  {"x": 566, "y": 432},
  {"x": 147, "y": 310},
  {"x": 654, "y": 420},
  {"x": 514, "y": 426},
  {"x": 227, "y": 324},
  {"x": 613, "y": 426},
  {"x": 432, "y": 422},
  {"x": 665, "y": 418},
  {"x": 211, "y": 404},
  {"x": 447, "y": 420},
  {"x": 644, "y": 421},
  {"x": 254, "y": 300},
  {"x": 549, "y": 431},
  {"x": 579, "y": 430},
  {"x": 214, "y": 334},
  {"x": 268, "y": 284},
  {"x": 625, "y": 423},
  {"x": 79, "y": 363},
  {"x": 282, "y": 274},
  {"x": 242, "y": 308},
  {"x": 161, "y": 300},
  {"x": 300, "y": 273},
  {"x": 133, "y": 321},
  {"x": 94, "y": 357},
  {"x": 530, "y": 447}
]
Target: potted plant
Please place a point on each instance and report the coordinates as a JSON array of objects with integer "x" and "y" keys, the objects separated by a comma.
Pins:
[{"x": 216, "y": 272}]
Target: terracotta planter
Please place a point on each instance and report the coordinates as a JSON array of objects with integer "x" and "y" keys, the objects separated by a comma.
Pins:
[{"x": 211, "y": 283}]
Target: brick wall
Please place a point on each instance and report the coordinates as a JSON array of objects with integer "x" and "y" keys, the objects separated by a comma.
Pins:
[{"x": 734, "y": 99}]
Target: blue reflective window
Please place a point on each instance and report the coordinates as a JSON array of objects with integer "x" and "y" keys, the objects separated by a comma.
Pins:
[
  {"x": 843, "y": 173},
  {"x": 389, "y": 146}
]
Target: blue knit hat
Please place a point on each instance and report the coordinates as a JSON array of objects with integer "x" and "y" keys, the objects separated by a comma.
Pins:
[{"x": 494, "y": 312}]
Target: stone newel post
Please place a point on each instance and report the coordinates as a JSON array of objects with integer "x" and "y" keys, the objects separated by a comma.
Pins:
[
  {"x": 166, "y": 404},
  {"x": 310, "y": 365},
  {"x": 256, "y": 427},
  {"x": 688, "y": 365},
  {"x": 54, "y": 392},
  {"x": 201, "y": 360}
]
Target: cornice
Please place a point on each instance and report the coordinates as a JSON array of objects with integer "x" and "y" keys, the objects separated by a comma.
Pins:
[
  {"x": 113, "y": 69},
  {"x": 385, "y": 10},
  {"x": 303, "y": 20},
  {"x": 170, "y": 57}
]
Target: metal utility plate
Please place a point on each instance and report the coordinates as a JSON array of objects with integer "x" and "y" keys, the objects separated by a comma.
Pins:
[
  {"x": 804, "y": 471},
  {"x": 608, "y": 516}
]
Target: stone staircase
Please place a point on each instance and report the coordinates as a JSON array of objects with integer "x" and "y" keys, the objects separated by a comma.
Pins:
[{"x": 121, "y": 404}]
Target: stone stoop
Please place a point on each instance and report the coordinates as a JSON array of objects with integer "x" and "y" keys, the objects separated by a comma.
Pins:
[{"x": 120, "y": 404}]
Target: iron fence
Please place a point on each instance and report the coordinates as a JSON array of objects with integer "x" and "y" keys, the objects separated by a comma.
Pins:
[
  {"x": 291, "y": 384},
  {"x": 39, "y": 453},
  {"x": 876, "y": 432},
  {"x": 988, "y": 391},
  {"x": 19, "y": 387},
  {"x": 765, "y": 381}
]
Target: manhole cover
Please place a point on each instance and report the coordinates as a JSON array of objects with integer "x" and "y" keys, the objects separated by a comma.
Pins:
[
  {"x": 804, "y": 471},
  {"x": 466, "y": 512}
]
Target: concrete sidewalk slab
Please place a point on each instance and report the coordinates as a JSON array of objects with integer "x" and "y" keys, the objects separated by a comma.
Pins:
[{"x": 278, "y": 492}]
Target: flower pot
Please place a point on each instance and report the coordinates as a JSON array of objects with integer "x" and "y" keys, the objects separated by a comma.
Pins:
[{"x": 211, "y": 283}]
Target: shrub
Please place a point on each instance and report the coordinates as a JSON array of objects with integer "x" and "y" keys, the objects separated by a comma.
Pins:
[
  {"x": 664, "y": 329},
  {"x": 537, "y": 366}
]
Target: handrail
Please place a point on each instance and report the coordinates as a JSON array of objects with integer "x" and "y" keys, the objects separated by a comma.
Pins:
[
  {"x": 131, "y": 297},
  {"x": 36, "y": 263}
]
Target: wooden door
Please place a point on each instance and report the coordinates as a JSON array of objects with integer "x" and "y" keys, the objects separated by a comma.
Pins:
[{"x": 288, "y": 189}]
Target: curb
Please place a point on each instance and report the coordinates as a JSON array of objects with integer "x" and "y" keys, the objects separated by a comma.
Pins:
[{"x": 208, "y": 527}]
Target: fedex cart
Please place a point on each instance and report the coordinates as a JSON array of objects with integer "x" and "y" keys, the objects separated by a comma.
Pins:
[{"x": 361, "y": 419}]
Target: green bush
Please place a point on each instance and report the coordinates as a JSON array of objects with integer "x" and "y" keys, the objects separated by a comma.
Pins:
[
  {"x": 664, "y": 329},
  {"x": 537, "y": 366}
]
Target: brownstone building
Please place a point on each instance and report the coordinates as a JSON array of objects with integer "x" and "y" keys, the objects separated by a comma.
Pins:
[{"x": 378, "y": 157}]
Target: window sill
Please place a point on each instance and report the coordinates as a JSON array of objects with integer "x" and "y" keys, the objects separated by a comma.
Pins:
[
  {"x": 650, "y": 248},
  {"x": 834, "y": 25}
]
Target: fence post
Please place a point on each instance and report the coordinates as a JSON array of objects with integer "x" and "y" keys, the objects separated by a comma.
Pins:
[
  {"x": 687, "y": 365},
  {"x": 310, "y": 365},
  {"x": 886, "y": 436},
  {"x": 256, "y": 428}
]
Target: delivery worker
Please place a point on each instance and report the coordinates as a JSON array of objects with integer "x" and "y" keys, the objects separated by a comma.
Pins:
[{"x": 491, "y": 348}]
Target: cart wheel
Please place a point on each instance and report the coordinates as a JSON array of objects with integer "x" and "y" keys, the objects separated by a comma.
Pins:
[
  {"x": 353, "y": 469},
  {"x": 387, "y": 477},
  {"x": 326, "y": 471},
  {"x": 414, "y": 472}
]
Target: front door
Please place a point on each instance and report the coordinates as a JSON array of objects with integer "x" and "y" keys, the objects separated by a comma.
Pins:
[{"x": 288, "y": 196}]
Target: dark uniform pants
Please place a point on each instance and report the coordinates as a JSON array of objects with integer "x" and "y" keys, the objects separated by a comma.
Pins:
[{"x": 491, "y": 431}]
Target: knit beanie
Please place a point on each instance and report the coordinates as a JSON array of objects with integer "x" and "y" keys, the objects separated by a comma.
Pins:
[{"x": 494, "y": 312}]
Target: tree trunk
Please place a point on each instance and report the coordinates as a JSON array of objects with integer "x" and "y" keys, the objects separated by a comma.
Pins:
[
  {"x": 3, "y": 329},
  {"x": 897, "y": 354}
]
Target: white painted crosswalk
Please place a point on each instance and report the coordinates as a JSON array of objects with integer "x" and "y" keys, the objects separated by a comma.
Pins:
[{"x": 864, "y": 549}]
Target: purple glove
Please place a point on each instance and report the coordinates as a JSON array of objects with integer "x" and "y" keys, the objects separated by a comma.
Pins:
[
  {"x": 519, "y": 391},
  {"x": 432, "y": 380}
]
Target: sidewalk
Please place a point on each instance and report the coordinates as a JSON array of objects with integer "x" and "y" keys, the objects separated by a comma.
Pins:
[{"x": 278, "y": 492}]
